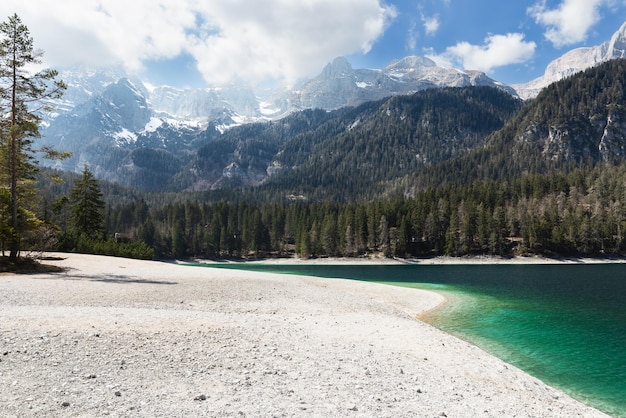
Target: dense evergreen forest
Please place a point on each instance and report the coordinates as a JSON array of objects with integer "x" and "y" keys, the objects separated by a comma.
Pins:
[
  {"x": 546, "y": 177},
  {"x": 578, "y": 213}
]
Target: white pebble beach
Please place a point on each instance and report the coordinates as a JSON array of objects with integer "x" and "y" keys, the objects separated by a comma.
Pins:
[{"x": 119, "y": 337}]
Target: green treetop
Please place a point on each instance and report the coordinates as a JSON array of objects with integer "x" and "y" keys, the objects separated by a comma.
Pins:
[{"x": 87, "y": 206}]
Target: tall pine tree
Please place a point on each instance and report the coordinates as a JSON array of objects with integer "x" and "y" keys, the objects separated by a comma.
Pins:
[{"x": 22, "y": 96}]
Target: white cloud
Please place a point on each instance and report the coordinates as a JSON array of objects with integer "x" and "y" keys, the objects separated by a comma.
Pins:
[
  {"x": 570, "y": 22},
  {"x": 105, "y": 32},
  {"x": 431, "y": 24},
  {"x": 498, "y": 51},
  {"x": 411, "y": 40},
  {"x": 255, "y": 40},
  {"x": 271, "y": 38}
]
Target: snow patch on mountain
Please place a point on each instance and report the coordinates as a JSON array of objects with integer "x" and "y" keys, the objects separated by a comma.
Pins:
[
  {"x": 268, "y": 109},
  {"x": 153, "y": 125},
  {"x": 125, "y": 137}
]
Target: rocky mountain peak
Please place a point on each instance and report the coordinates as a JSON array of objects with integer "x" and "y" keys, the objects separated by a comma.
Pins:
[
  {"x": 340, "y": 85},
  {"x": 340, "y": 67},
  {"x": 128, "y": 103}
]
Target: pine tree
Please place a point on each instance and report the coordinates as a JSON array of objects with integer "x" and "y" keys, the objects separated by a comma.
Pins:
[
  {"x": 86, "y": 218},
  {"x": 22, "y": 96},
  {"x": 384, "y": 236},
  {"x": 350, "y": 246}
]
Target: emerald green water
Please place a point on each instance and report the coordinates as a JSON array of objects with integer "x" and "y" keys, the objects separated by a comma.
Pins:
[{"x": 565, "y": 324}]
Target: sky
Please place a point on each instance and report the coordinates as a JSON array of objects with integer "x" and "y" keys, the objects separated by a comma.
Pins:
[{"x": 203, "y": 43}]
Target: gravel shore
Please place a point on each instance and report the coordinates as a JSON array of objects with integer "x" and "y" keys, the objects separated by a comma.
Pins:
[{"x": 118, "y": 337}]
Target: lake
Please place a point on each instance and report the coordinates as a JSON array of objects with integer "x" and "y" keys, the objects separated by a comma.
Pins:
[{"x": 564, "y": 324}]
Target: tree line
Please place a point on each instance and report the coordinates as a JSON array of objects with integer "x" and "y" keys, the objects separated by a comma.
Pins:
[{"x": 580, "y": 213}]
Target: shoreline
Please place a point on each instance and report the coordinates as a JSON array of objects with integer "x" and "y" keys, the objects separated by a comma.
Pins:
[
  {"x": 113, "y": 336},
  {"x": 439, "y": 260}
]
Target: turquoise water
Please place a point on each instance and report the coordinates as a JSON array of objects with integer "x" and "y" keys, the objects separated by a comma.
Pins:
[{"x": 565, "y": 324}]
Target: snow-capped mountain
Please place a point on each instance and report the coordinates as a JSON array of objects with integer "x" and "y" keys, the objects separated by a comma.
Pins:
[
  {"x": 574, "y": 61},
  {"x": 119, "y": 135},
  {"x": 340, "y": 85},
  {"x": 84, "y": 82}
]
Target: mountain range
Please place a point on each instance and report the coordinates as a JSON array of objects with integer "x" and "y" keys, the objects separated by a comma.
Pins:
[
  {"x": 114, "y": 123},
  {"x": 163, "y": 138}
]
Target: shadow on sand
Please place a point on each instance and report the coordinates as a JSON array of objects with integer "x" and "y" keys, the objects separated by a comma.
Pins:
[{"x": 116, "y": 279}]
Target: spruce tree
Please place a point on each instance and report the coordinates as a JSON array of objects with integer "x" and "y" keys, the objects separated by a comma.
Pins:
[
  {"x": 22, "y": 96},
  {"x": 87, "y": 206}
]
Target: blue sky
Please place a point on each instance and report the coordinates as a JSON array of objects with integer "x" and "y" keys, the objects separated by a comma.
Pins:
[
  {"x": 192, "y": 43},
  {"x": 533, "y": 33}
]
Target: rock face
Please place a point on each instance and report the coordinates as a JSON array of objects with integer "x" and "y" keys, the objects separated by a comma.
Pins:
[
  {"x": 126, "y": 104},
  {"x": 575, "y": 61},
  {"x": 613, "y": 141},
  {"x": 578, "y": 119}
]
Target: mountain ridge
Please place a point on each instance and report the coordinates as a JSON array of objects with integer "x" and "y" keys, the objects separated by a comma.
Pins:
[
  {"x": 575, "y": 60},
  {"x": 340, "y": 85}
]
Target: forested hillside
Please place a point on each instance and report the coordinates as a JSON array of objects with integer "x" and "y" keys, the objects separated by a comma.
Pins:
[
  {"x": 244, "y": 155},
  {"x": 453, "y": 171},
  {"x": 346, "y": 154},
  {"x": 577, "y": 122},
  {"x": 405, "y": 133}
]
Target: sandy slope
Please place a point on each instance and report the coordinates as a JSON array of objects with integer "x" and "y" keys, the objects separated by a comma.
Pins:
[{"x": 134, "y": 338}]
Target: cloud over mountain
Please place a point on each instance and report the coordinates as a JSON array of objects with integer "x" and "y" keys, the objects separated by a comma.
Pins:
[
  {"x": 497, "y": 51},
  {"x": 256, "y": 40},
  {"x": 570, "y": 22}
]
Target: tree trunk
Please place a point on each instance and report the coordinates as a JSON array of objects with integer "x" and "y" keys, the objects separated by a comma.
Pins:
[{"x": 14, "y": 242}]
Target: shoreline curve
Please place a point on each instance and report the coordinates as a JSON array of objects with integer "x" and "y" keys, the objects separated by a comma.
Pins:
[{"x": 144, "y": 338}]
